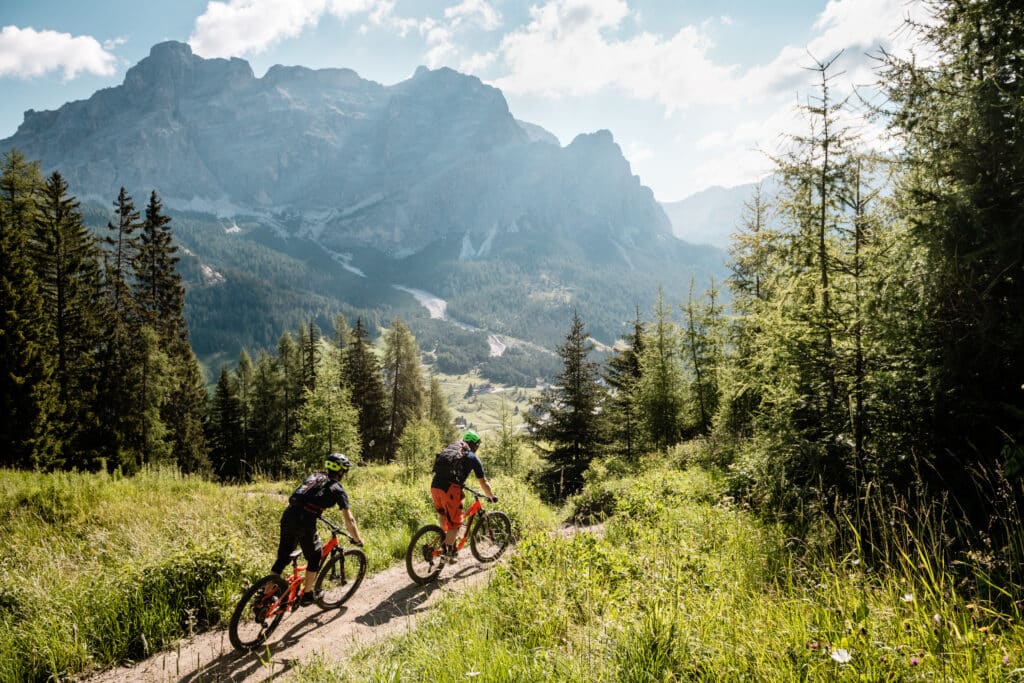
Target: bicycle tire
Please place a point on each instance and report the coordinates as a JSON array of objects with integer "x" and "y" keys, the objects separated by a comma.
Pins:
[
  {"x": 249, "y": 627},
  {"x": 340, "y": 577},
  {"x": 491, "y": 535},
  {"x": 423, "y": 558}
]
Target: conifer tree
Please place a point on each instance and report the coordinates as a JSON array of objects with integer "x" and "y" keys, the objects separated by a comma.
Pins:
[
  {"x": 703, "y": 353},
  {"x": 267, "y": 416},
  {"x": 567, "y": 420},
  {"x": 660, "y": 388},
  {"x": 225, "y": 431},
  {"x": 364, "y": 379},
  {"x": 289, "y": 357},
  {"x": 27, "y": 399},
  {"x": 438, "y": 412},
  {"x": 622, "y": 374},
  {"x": 327, "y": 422},
  {"x": 67, "y": 263},
  {"x": 959, "y": 120},
  {"x": 403, "y": 382}
]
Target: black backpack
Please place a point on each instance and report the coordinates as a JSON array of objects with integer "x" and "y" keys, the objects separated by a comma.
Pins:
[
  {"x": 308, "y": 491},
  {"x": 448, "y": 461}
]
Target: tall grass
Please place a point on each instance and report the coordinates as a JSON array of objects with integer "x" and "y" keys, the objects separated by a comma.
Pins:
[
  {"x": 99, "y": 569},
  {"x": 685, "y": 585}
]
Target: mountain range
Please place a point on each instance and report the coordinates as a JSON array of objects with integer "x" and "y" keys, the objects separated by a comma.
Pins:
[{"x": 304, "y": 193}]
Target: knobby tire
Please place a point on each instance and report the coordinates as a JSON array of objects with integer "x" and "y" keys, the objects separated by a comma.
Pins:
[
  {"x": 422, "y": 559},
  {"x": 340, "y": 577},
  {"x": 491, "y": 535},
  {"x": 250, "y": 627}
]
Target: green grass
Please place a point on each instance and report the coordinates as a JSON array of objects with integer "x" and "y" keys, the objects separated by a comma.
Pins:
[
  {"x": 685, "y": 585},
  {"x": 99, "y": 569}
]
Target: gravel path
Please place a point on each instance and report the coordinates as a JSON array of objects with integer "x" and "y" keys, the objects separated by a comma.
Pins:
[{"x": 386, "y": 604}]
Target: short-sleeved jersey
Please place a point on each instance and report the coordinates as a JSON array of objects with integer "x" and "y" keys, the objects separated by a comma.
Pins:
[
  {"x": 330, "y": 495},
  {"x": 469, "y": 463}
]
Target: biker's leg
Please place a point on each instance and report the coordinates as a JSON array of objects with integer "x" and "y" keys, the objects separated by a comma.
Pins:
[{"x": 311, "y": 549}]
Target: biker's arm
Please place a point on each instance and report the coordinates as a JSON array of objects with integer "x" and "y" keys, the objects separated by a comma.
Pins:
[
  {"x": 350, "y": 523},
  {"x": 486, "y": 486}
]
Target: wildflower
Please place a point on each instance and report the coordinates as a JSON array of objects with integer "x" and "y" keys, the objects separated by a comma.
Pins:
[
  {"x": 812, "y": 645},
  {"x": 914, "y": 661},
  {"x": 1006, "y": 659},
  {"x": 936, "y": 618},
  {"x": 907, "y": 597},
  {"x": 842, "y": 656}
]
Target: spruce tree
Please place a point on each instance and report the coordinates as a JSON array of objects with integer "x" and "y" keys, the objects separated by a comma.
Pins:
[
  {"x": 27, "y": 397},
  {"x": 622, "y": 374},
  {"x": 68, "y": 265},
  {"x": 267, "y": 416},
  {"x": 225, "y": 431},
  {"x": 567, "y": 419},
  {"x": 959, "y": 120},
  {"x": 364, "y": 379}
]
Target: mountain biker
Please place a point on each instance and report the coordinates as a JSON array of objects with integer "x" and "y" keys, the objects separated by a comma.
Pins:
[
  {"x": 298, "y": 522},
  {"x": 446, "y": 487}
]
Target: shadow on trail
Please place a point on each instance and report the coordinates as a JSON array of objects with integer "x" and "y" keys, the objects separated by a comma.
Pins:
[
  {"x": 409, "y": 600},
  {"x": 235, "y": 665}
]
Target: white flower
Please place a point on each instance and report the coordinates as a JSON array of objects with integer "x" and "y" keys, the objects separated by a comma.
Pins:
[
  {"x": 908, "y": 597},
  {"x": 936, "y": 618},
  {"x": 842, "y": 656}
]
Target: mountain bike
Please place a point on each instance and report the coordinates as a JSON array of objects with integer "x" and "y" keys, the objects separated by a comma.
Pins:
[
  {"x": 265, "y": 602},
  {"x": 488, "y": 533}
]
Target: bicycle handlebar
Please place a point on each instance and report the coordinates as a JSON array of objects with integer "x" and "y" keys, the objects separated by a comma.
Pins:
[
  {"x": 338, "y": 530},
  {"x": 480, "y": 495}
]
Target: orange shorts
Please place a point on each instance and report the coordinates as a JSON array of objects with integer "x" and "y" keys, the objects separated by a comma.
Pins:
[{"x": 449, "y": 505}]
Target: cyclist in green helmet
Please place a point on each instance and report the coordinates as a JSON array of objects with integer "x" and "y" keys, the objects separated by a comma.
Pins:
[
  {"x": 451, "y": 469},
  {"x": 319, "y": 491}
]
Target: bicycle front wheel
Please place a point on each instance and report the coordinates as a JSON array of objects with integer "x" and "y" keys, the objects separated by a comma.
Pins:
[
  {"x": 340, "y": 577},
  {"x": 491, "y": 535},
  {"x": 258, "y": 613},
  {"x": 423, "y": 558}
]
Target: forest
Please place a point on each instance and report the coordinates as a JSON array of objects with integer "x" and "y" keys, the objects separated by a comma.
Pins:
[{"x": 849, "y": 414}]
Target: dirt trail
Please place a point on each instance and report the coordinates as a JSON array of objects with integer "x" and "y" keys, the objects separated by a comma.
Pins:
[{"x": 386, "y": 604}]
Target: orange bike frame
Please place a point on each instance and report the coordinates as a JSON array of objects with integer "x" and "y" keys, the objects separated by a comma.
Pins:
[{"x": 299, "y": 572}]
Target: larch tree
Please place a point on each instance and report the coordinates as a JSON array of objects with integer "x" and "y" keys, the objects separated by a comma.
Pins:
[{"x": 403, "y": 382}]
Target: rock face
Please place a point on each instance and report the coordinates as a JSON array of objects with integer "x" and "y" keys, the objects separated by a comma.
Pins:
[{"x": 390, "y": 167}]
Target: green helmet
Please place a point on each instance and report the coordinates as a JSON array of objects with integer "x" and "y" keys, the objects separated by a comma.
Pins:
[{"x": 471, "y": 438}]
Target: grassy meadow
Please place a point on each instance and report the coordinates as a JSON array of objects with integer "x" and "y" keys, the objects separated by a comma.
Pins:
[
  {"x": 683, "y": 584},
  {"x": 100, "y": 569}
]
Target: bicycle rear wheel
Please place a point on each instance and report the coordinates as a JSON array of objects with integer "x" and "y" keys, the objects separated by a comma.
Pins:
[
  {"x": 340, "y": 578},
  {"x": 491, "y": 535},
  {"x": 258, "y": 613},
  {"x": 423, "y": 558}
]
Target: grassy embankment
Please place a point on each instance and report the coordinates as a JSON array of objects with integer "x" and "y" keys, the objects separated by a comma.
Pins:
[
  {"x": 100, "y": 570},
  {"x": 685, "y": 585}
]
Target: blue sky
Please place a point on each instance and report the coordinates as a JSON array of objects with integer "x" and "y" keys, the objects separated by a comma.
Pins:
[{"x": 694, "y": 92}]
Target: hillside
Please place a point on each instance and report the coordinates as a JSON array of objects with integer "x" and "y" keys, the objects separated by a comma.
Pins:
[{"x": 304, "y": 193}]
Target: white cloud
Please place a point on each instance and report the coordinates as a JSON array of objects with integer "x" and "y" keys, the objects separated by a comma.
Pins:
[
  {"x": 239, "y": 27},
  {"x": 636, "y": 152},
  {"x": 27, "y": 53},
  {"x": 477, "y": 12},
  {"x": 567, "y": 49}
]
